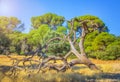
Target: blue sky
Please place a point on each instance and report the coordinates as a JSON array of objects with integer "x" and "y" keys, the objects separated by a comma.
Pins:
[{"x": 107, "y": 10}]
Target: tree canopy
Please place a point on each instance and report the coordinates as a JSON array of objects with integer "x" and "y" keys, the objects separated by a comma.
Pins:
[
  {"x": 52, "y": 20},
  {"x": 8, "y": 24}
]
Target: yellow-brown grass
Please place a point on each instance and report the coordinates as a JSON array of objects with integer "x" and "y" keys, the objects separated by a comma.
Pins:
[{"x": 78, "y": 73}]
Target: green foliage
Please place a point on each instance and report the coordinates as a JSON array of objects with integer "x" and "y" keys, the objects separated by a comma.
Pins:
[
  {"x": 57, "y": 47},
  {"x": 7, "y": 24},
  {"x": 103, "y": 46},
  {"x": 89, "y": 41},
  {"x": 8, "y": 37},
  {"x": 36, "y": 36},
  {"x": 4, "y": 39},
  {"x": 50, "y": 19},
  {"x": 114, "y": 50},
  {"x": 93, "y": 23},
  {"x": 61, "y": 29},
  {"x": 4, "y": 42},
  {"x": 16, "y": 41},
  {"x": 98, "y": 54},
  {"x": 109, "y": 54},
  {"x": 12, "y": 49},
  {"x": 103, "y": 40},
  {"x": 95, "y": 19}
]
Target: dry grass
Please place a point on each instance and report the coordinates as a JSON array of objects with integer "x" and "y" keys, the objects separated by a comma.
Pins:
[{"x": 78, "y": 73}]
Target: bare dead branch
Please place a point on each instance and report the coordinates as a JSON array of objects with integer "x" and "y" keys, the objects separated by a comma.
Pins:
[{"x": 67, "y": 55}]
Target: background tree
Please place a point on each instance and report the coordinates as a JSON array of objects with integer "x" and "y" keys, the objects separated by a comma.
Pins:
[
  {"x": 103, "y": 40},
  {"x": 110, "y": 48},
  {"x": 4, "y": 42},
  {"x": 8, "y": 24},
  {"x": 54, "y": 23},
  {"x": 52, "y": 20},
  {"x": 9, "y": 27}
]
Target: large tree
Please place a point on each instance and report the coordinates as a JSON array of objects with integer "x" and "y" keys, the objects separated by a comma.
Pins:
[
  {"x": 83, "y": 25},
  {"x": 75, "y": 34}
]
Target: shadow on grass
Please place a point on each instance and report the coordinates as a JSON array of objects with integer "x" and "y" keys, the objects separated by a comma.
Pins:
[
  {"x": 61, "y": 77},
  {"x": 112, "y": 77},
  {"x": 4, "y": 68},
  {"x": 78, "y": 67}
]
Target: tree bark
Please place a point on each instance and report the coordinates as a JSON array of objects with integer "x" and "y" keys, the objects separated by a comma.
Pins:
[
  {"x": 81, "y": 43},
  {"x": 82, "y": 55}
]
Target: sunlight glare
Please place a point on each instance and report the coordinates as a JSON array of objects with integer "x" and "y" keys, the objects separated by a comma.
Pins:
[{"x": 5, "y": 7}]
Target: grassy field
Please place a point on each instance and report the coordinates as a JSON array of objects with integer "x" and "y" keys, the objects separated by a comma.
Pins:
[{"x": 78, "y": 73}]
